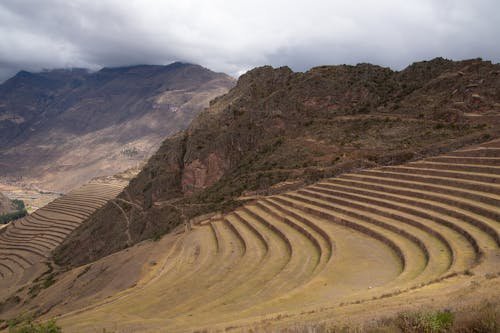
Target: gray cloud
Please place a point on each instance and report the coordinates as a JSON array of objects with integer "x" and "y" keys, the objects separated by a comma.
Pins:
[{"x": 233, "y": 36}]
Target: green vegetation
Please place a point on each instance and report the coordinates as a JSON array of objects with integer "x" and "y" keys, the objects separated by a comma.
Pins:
[
  {"x": 44, "y": 281},
  {"x": 20, "y": 212},
  {"x": 130, "y": 152},
  {"x": 22, "y": 318},
  {"x": 482, "y": 320},
  {"x": 6, "y": 218},
  {"x": 157, "y": 236},
  {"x": 19, "y": 204},
  {"x": 25, "y": 324},
  {"x": 425, "y": 322}
]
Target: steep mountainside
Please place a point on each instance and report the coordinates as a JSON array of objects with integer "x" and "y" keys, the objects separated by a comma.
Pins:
[
  {"x": 60, "y": 128},
  {"x": 277, "y": 129}
]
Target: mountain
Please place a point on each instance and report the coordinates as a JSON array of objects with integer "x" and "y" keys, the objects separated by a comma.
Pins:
[
  {"x": 277, "y": 129},
  {"x": 342, "y": 192},
  {"x": 60, "y": 128}
]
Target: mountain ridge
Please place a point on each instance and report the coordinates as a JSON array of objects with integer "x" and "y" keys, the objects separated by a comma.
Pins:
[{"x": 278, "y": 127}]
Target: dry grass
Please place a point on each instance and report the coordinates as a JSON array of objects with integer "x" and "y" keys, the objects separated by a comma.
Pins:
[
  {"x": 306, "y": 255},
  {"x": 483, "y": 318},
  {"x": 27, "y": 243}
]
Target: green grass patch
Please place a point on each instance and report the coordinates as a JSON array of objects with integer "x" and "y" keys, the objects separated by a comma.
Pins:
[
  {"x": 30, "y": 327},
  {"x": 425, "y": 322}
]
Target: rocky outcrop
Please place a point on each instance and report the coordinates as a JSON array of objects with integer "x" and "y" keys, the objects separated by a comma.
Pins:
[{"x": 199, "y": 174}]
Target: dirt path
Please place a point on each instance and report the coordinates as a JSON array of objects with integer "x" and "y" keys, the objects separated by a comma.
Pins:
[{"x": 127, "y": 222}]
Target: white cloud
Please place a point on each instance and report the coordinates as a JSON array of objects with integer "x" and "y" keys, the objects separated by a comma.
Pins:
[{"x": 232, "y": 36}]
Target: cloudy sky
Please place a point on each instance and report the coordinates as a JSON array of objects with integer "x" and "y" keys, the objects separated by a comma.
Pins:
[{"x": 233, "y": 36}]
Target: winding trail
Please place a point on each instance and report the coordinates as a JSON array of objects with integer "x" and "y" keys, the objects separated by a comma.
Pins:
[{"x": 127, "y": 221}]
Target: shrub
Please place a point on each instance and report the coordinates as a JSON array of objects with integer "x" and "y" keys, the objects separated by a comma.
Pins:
[
  {"x": 6, "y": 218},
  {"x": 46, "y": 280},
  {"x": 19, "y": 204},
  {"x": 20, "y": 212},
  {"x": 313, "y": 175},
  {"x": 130, "y": 152},
  {"x": 30, "y": 327},
  {"x": 157, "y": 236},
  {"x": 429, "y": 322}
]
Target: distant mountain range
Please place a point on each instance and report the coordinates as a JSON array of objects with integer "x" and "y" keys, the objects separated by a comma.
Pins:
[{"x": 60, "y": 128}]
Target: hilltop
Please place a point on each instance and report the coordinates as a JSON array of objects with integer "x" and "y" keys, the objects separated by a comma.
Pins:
[
  {"x": 60, "y": 128},
  {"x": 278, "y": 130}
]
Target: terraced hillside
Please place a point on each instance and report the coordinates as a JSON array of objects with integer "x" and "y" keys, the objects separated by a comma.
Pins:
[
  {"x": 389, "y": 235},
  {"x": 277, "y": 125},
  {"x": 26, "y": 244}
]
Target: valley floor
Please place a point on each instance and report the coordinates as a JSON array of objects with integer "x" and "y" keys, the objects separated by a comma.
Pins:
[{"x": 32, "y": 198}]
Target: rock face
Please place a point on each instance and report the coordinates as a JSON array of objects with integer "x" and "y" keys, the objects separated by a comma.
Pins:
[
  {"x": 278, "y": 126},
  {"x": 60, "y": 128},
  {"x": 199, "y": 174}
]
